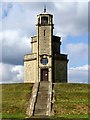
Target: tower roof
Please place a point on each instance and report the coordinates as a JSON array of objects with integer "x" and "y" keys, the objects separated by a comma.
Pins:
[{"x": 45, "y": 12}]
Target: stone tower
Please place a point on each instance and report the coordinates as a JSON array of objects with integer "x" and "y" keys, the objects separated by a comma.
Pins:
[{"x": 46, "y": 63}]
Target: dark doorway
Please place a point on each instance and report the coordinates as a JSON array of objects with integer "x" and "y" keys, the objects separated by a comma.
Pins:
[{"x": 44, "y": 74}]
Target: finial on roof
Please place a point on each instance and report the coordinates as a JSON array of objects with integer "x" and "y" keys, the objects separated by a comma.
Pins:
[{"x": 44, "y": 8}]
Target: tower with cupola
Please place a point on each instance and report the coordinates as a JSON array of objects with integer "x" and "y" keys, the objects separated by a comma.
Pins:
[{"x": 45, "y": 63}]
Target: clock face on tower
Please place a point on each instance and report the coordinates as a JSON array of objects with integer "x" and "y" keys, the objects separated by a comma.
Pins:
[{"x": 44, "y": 20}]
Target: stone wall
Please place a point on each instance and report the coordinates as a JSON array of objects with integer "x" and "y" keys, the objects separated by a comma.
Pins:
[
  {"x": 30, "y": 71},
  {"x": 34, "y": 45},
  {"x": 45, "y": 41},
  {"x": 60, "y": 71},
  {"x": 28, "y": 57},
  {"x": 56, "y": 44}
]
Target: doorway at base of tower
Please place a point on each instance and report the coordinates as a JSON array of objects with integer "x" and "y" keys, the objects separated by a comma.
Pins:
[{"x": 44, "y": 74}]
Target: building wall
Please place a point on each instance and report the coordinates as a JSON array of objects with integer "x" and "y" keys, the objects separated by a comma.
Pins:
[
  {"x": 34, "y": 45},
  {"x": 56, "y": 47},
  {"x": 30, "y": 75},
  {"x": 45, "y": 41},
  {"x": 60, "y": 71},
  {"x": 56, "y": 44},
  {"x": 30, "y": 68}
]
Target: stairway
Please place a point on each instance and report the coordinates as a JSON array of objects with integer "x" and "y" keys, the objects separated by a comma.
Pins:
[{"x": 42, "y": 99}]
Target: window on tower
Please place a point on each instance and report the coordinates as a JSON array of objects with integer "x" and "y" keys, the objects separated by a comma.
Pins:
[
  {"x": 44, "y": 32},
  {"x": 44, "y": 61},
  {"x": 44, "y": 20}
]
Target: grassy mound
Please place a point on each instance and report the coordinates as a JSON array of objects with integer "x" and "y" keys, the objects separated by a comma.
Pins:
[
  {"x": 71, "y": 100},
  {"x": 15, "y": 99}
]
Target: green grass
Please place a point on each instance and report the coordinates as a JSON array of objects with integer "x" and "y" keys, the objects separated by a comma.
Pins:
[
  {"x": 71, "y": 100},
  {"x": 15, "y": 99}
]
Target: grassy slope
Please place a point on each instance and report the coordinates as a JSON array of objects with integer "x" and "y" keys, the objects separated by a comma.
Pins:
[
  {"x": 15, "y": 99},
  {"x": 71, "y": 100}
]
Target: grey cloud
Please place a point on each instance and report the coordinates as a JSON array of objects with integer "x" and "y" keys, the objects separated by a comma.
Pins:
[
  {"x": 11, "y": 73},
  {"x": 14, "y": 46},
  {"x": 73, "y": 19}
]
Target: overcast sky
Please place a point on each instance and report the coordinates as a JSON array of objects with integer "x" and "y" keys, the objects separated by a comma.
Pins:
[{"x": 18, "y": 21}]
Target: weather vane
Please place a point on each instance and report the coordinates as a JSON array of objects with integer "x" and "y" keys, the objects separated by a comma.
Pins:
[{"x": 44, "y": 8}]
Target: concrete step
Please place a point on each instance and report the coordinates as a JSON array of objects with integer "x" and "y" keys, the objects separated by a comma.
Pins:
[{"x": 41, "y": 103}]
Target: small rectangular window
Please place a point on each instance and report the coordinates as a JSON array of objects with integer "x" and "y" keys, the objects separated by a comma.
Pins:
[
  {"x": 44, "y": 32},
  {"x": 44, "y": 20}
]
